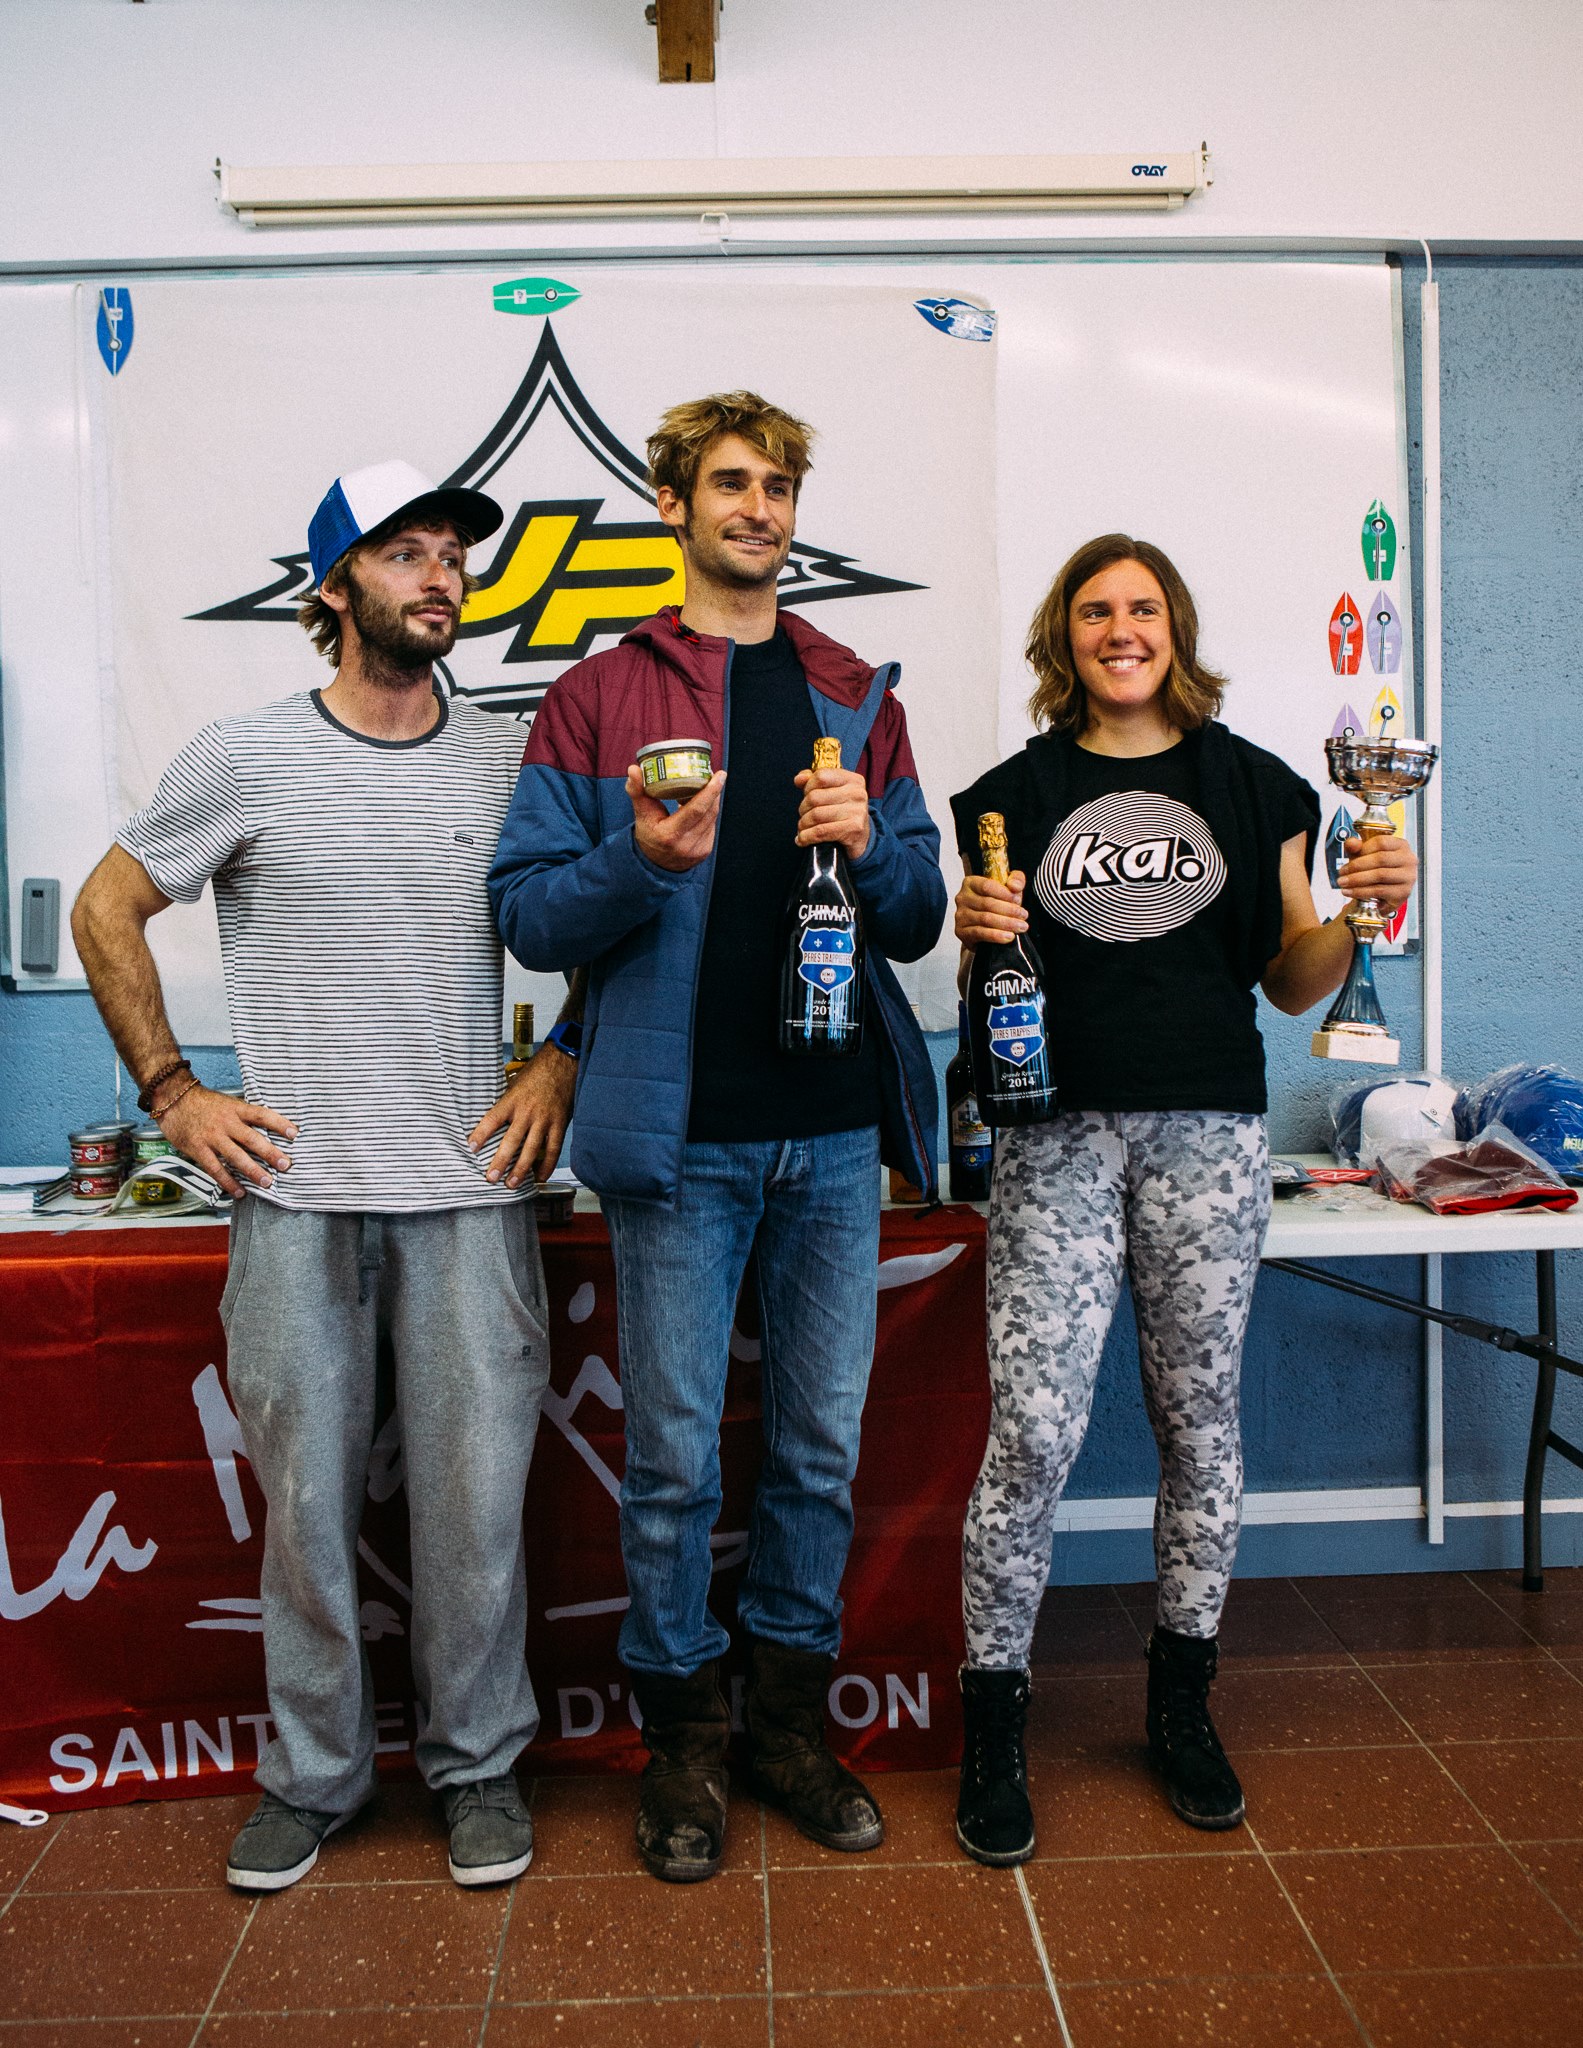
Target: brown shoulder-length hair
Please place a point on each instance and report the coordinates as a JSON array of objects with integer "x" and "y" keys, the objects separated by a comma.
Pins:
[{"x": 1192, "y": 691}]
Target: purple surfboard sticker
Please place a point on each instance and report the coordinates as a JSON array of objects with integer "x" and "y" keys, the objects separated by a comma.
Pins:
[
  {"x": 1384, "y": 635},
  {"x": 1348, "y": 725}
]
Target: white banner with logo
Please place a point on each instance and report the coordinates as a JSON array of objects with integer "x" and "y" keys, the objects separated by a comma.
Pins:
[{"x": 248, "y": 396}]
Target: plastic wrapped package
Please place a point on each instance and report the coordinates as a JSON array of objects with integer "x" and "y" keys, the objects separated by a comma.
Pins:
[
  {"x": 1543, "y": 1105},
  {"x": 1495, "y": 1170},
  {"x": 1366, "y": 1116}
]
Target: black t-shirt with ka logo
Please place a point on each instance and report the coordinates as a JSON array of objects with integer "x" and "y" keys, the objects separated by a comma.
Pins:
[{"x": 1130, "y": 912}]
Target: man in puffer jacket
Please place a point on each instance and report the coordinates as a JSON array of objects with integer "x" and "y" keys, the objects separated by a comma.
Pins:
[{"x": 705, "y": 1141}]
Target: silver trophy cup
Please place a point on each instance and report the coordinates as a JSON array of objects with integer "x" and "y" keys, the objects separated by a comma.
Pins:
[{"x": 1379, "y": 771}]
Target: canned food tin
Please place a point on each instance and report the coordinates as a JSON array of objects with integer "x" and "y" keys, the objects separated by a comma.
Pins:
[
  {"x": 95, "y": 1183},
  {"x": 154, "y": 1193},
  {"x": 678, "y": 768},
  {"x": 149, "y": 1142},
  {"x": 95, "y": 1145}
]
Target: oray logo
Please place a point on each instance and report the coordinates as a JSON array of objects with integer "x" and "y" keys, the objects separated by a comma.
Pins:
[{"x": 1148, "y": 170}]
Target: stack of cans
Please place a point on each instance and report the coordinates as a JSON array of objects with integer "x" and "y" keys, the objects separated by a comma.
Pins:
[
  {"x": 101, "y": 1158},
  {"x": 149, "y": 1143}
]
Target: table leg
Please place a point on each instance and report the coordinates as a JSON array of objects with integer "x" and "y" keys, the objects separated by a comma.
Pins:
[{"x": 1539, "y": 1433}]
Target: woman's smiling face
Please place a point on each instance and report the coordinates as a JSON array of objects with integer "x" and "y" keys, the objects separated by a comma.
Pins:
[{"x": 1120, "y": 630}]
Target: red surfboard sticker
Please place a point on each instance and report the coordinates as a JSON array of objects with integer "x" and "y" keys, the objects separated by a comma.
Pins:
[{"x": 1346, "y": 636}]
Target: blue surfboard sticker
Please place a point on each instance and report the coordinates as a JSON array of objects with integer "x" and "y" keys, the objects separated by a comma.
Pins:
[
  {"x": 113, "y": 327},
  {"x": 528, "y": 295},
  {"x": 1343, "y": 826},
  {"x": 959, "y": 318}
]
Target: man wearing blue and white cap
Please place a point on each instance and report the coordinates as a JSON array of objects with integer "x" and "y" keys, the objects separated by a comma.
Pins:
[{"x": 386, "y": 1242}]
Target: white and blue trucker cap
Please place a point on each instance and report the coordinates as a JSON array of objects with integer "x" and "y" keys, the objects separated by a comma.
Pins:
[{"x": 365, "y": 498}]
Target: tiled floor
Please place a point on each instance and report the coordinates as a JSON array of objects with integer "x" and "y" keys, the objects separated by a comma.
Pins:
[{"x": 1412, "y": 1873}]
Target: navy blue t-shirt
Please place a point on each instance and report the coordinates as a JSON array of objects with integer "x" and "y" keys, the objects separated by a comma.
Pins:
[{"x": 743, "y": 1086}]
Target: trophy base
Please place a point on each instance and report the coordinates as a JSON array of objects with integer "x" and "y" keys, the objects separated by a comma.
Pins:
[{"x": 1347, "y": 1042}]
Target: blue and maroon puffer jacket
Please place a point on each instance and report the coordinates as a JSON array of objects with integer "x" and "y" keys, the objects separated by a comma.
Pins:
[{"x": 569, "y": 887}]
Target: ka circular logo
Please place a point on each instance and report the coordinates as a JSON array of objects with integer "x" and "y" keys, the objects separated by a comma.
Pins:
[{"x": 1131, "y": 866}]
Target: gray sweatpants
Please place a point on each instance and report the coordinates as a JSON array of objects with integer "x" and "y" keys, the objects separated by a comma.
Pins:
[
  {"x": 1179, "y": 1199},
  {"x": 454, "y": 1300}
]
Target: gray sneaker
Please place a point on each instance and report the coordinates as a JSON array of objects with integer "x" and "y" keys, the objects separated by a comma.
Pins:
[
  {"x": 491, "y": 1830},
  {"x": 278, "y": 1844}
]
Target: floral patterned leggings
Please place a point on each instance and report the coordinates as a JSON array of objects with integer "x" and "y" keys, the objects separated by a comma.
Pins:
[{"x": 1181, "y": 1199}]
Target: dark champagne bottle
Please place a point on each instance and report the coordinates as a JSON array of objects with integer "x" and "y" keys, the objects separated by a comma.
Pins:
[
  {"x": 969, "y": 1141},
  {"x": 1005, "y": 1013},
  {"x": 822, "y": 973}
]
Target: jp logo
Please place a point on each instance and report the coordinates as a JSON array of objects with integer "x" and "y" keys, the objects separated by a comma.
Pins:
[{"x": 825, "y": 957}]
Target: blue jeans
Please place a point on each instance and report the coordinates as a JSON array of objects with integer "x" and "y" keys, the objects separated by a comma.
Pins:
[{"x": 811, "y": 1206}]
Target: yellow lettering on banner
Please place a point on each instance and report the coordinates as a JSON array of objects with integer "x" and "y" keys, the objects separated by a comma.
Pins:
[
  {"x": 569, "y": 611},
  {"x": 523, "y": 577}
]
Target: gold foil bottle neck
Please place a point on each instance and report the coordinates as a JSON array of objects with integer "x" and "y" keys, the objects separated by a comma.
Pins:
[
  {"x": 826, "y": 754},
  {"x": 992, "y": 847}
]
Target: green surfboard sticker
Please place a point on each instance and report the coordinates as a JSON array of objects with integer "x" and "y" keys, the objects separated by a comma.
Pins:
[
  {"x": 1379, "y": 543},
  {"x": 535, "y": 295}
]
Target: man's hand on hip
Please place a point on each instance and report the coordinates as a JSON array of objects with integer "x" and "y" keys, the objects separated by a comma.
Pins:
[
  {"x": 834, "y": 806},
  {"x": 679, "y": 839},
  {"x": 533, "y": 1114},
  {"x": 229, "y": 1138}
]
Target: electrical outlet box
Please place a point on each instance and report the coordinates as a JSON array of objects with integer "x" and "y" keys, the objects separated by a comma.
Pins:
[{"x": 39, "y": 952}]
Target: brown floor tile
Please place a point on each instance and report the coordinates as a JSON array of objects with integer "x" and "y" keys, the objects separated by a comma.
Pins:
[
  {"x": 91, "y": 1956},
  {"x": 1558, "y": 1867},
  {"x": 21, "y": 1848},
  {"x": 1528, "y": 1791},
  {"x": 1078, "y": 1716},
  {"x": 1112, "y": 1805},
  {"x": 1217, "y": 1916},
  {"x": 1308, "y": 1709},
  {"x": 1553, "y": 1616},
  {"x": 414, "y": 2027},
  {"x": 631, "y": 1937},
  {"x": 1426, "y": 1909},
  {"x": 99, "y": 2034},
  {"x": 399, "y": 1836},
  {"x": 650, "y": 2023},
  {"x": 1466, "y": 1701},
  {"x": 920, "y": 1826},
  {"x": 885, "y": 1930},
  {"x": 156, "y": 1845},
  {"x": 582, "y": 1827},
  {"x": 1355, "y": 1799},
  {"x": 1389, "y": 1588},
  {"x": 1227, "y": 2012},
  {"x": 1276, "y": 1632},
  {"x": 363, "y": 1946},
  {"x": 1407, "y": 1630},
  {"x": 1471, "y": 2008},
  {"x": 926, "y": 2019},
  {"x": 1061, "y": 1600},
  {"x": 1089, "y": 1638}
]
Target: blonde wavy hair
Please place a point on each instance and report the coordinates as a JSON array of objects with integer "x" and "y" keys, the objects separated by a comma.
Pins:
[
  {"x": 1193, "y": 691},
  {"x": 676, "y": 446},
  {"x": 322, "y": 622}
]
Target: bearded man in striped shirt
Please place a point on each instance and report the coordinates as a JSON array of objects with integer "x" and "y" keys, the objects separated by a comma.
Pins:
[{"x": 382, "y": 1234}]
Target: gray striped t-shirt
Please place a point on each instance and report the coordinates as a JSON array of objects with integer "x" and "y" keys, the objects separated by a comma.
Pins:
[{"x": 362, "y": 967}]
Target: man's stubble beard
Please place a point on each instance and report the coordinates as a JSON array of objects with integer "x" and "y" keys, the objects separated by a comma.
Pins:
[
  {"x": 393, "y": 654},
  {"x": 713, "y": 560}
]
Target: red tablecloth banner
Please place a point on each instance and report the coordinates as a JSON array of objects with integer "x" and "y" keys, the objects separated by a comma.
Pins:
[{"x": 131, "y": 1657}]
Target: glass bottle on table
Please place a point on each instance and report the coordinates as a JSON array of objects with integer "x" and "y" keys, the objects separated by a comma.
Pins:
[
  {"x": 1006, "y": 1012},
  {"x": 521, "y": 1039},
  {"x": 969, "y": 1140}
]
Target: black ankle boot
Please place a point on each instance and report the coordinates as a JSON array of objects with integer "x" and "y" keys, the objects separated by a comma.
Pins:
[
  {"x": 1186, "y": 1751},
  {"x": 682, "y": 1797},
  {"x": 791, "y": 1764},
  {"x": 994, "y": 1822}
]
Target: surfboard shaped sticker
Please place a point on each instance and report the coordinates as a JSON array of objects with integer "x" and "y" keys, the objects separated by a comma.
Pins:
[
  {"x": 1379, "y": 544},
  {"x": 1384, "y": 635},
  {"x": 113, "y": 327},
  {"x": 1340, "y": 829},
  {"x": 959, "y": 318},
  {"x": 528, "y": 295},
  {"x": 1394, "y": 923},
  {"x": 1346, "y": 636},
  {"x": 1348, "y": 724},
  {"x": 1385, "y": 720}
]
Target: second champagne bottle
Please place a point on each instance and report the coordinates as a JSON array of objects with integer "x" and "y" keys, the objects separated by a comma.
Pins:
[{"x": 1005, "y": 1012}]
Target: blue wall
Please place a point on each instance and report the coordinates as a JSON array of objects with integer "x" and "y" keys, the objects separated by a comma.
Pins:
[{"x": 1331, "y": 1387}]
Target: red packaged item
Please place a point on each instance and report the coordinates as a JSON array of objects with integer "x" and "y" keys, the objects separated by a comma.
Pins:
[{"x": 1495, "y": 1171}]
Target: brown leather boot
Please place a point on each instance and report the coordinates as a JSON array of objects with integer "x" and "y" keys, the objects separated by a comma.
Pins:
[
  {"x": 794, "y": 1769},
  {"x": 682, "y": 1797}
]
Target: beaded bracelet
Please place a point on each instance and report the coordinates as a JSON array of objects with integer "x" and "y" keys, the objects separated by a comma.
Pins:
[
  {"x": 180, "y": 1096},
  {"x": 145, "y": 1095}
]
